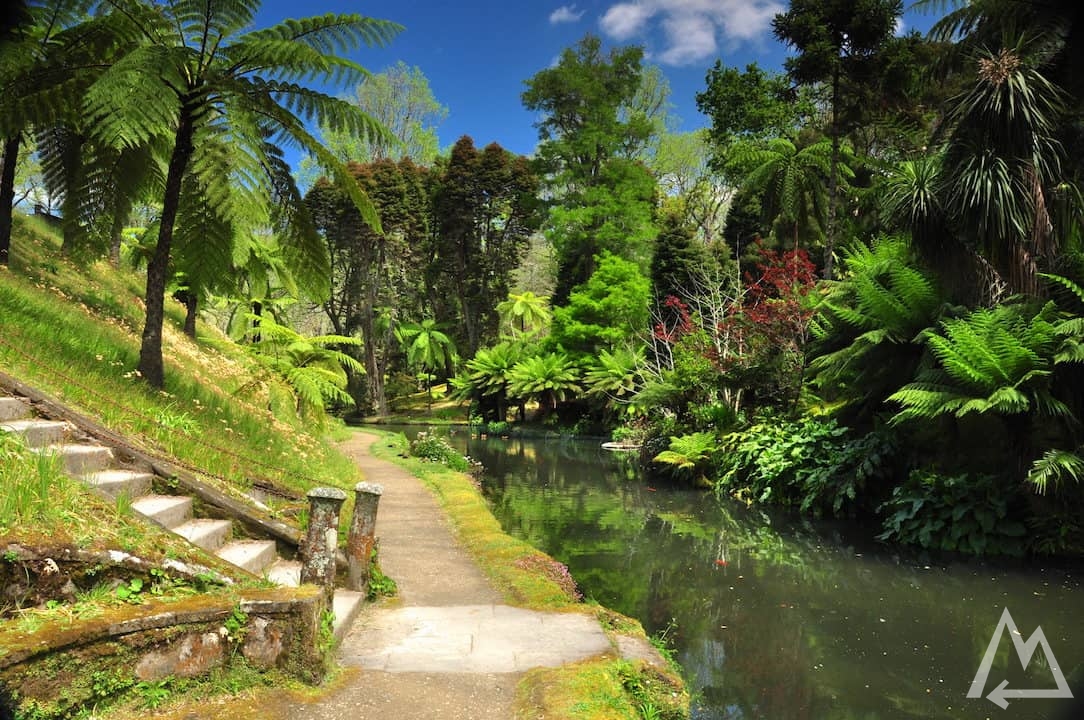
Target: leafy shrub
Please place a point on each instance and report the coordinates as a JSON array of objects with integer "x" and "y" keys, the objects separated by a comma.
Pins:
[
  {"x": 436, "y": 449},
  {"x": 690, "y": 452},
  {"x": 967, "y": 513},
  {"x": 815, "y": 464}
]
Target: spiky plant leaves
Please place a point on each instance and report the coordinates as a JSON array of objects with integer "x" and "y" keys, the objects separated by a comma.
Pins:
[
  {"x": 311, "y": 366},
  {"x": 689, "y": 451},
  {"x": 1054, "y": 468},
  {"x": 229, "y": 97},
  {"x": 998, "y": 360},
  {"x": 870, "y": 328},
  {"x": 550, "y": 378},
  {"x": 614, "y": 374}
]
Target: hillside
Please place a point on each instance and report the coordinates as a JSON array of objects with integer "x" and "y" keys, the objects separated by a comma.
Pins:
[{"x": 225, "y": 423}]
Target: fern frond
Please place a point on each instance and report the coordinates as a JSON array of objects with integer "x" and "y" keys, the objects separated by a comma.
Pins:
[{"x": 1055, "y": 466}]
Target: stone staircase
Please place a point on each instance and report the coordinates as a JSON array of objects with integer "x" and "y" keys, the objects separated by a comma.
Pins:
[{"x": 106, "y": 472}]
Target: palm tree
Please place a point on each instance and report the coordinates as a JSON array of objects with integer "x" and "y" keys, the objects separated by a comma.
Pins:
[
  {"x": 489, "y": 374},
  {"x": 1002, "y": 158},
  {"x": 228, "y": 98},
  {"x": 428, "y": 347},
  {"x": 53, "y": 51},
  {"x": 792, "y": 181},
  {"x": 527, "y": 310},
  {"x": 549, "y": 378}
]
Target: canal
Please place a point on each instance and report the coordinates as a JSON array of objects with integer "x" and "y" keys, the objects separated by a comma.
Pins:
[{"x": 777, "y": 617}]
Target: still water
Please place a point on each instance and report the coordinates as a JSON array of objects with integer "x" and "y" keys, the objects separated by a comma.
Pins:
[{"x": 779, "y": 618}]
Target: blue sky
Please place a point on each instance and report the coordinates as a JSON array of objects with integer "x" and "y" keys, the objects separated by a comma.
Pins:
[{"x": 478, "y": 53}]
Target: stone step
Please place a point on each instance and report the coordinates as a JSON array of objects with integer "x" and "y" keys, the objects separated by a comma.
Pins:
[
  {"x": 37, "y": 433},
  {"x": 81, "y": 459},
  {"x": 346, "y": 605},
  {"x": 284, "y": 572},
  {"x": 252, "y": 555},
  {"x": 12, "y": 408},
  {"x": 115, "y": 482},
  {"x": 167, "y": 510},
  {"x": 205, "y": 533}
]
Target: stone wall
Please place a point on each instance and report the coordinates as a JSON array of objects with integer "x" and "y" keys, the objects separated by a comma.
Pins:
[{"x": 60, "y": 668}]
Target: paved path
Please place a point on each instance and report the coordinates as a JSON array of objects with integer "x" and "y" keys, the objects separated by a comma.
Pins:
[{"x": 445, "y": 648}]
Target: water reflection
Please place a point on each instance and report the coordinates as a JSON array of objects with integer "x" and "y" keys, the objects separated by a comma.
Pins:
[{"x": 777, "y": 618}]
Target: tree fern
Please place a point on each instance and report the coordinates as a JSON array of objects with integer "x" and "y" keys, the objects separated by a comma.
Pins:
[
  {"x": 998, "y": 361},
  {"x": 228, "y": 97},
  {"x": 869, "y": 329}
]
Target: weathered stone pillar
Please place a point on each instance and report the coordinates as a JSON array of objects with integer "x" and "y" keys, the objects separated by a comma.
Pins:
[
  {"x": 359, "y": 544},
  {"x": 322, "y": 539}
]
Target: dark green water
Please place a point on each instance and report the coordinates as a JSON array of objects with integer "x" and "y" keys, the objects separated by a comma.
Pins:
[{"x": 774, "y": 617}]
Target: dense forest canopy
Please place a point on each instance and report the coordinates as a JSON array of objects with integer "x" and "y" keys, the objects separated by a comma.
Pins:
[{"x": 859, "y": 291}]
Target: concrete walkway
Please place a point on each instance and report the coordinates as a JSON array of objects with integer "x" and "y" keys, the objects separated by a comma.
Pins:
[{"x": 445, "y": 648}]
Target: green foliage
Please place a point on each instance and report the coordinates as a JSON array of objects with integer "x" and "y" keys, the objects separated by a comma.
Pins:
[
  {"x": 606, "y": 312},
  {"x": 436, "y": 449},
  {"x": 692, "y": 453},
  {"x": 525, "y": 313},
  {"x": 312, "y": 366},
  {"x": 869, "y": 327},
  {"x": 549, "y": 378},
  {"x": 1054, "y": 468},
  {"x": 750, "y": 103},
  {"x": 791, "y": 181},
  {"x": 615, "y": 376},
  {"x": 814, "y": 464},
  {"x": 996, "y": 360},
  {"x": 36, "y": 489},
  {"x": 970, "y": 514},
  {"x": 590, "y": 128},
  {"x": 223, "y": 107},
  {"x": 400, "y": 99},
  {"x": 484, "y": 211}
]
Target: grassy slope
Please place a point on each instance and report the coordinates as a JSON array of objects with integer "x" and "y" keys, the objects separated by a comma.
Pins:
[{"x": 72, "y": 329}]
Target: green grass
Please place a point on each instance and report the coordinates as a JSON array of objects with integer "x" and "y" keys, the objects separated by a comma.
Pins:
[
  {"x": 517, "y": 569},
  {"x": 597, "y": 689},
  {"x": 35, "y": 488},
  {"x": 72, "y": 330}
]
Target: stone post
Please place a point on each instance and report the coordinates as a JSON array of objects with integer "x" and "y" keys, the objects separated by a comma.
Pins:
[
  {"x": 322, "y": 539},
  {"x": 359, "y": 544}
]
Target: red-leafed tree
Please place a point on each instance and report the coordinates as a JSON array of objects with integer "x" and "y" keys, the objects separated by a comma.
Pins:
[{"x": 771, "y": 326}]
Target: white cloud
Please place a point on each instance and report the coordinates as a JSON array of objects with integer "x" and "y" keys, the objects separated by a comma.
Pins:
[
  {"x": 901, "y": 27},
  {"x": 565, "y": 14},
  {"x": 624, "y": 20},
  {"x": 691, "y": 28}
]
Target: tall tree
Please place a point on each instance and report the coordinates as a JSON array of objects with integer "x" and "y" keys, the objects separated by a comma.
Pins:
[
  {"x": 51, "y": 54},
  {"x": 227, "y": 96},
  {"x": 374, "y": 275},
  {"x": 750, "y": 104},
  {"x": 485, "y": 209},
  {"x": 589, "y": 130},
  {"x": 400, "y": 99},
  {"x": 838, "y": 43}
]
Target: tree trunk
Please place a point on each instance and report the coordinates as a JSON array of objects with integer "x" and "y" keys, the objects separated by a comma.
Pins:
[
  {"x": 833, "y": 181},
  {"x": 191, "y": 306},
  {"x": 116, "y": 232},
  {"x": 150, "y": 350},
  {"x": 257, "y": 312},
  {"x": 374, "y": 370},
  {"x": 7, "y": 193}
]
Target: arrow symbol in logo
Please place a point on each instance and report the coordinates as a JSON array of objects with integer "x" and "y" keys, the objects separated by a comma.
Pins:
[{"x": 1024, "y": 650}]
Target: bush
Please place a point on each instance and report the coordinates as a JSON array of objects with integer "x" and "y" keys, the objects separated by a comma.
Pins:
[
  {"x": 815, "y": 464},
  {"x": 966, "y": 513},
  {"x": 436, "y": 449}
]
